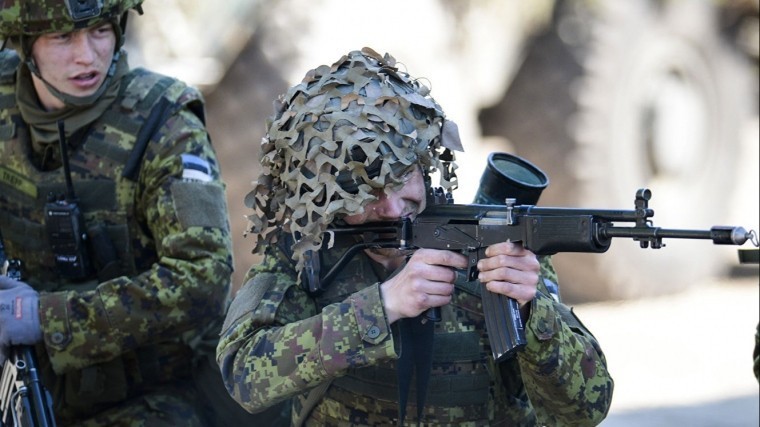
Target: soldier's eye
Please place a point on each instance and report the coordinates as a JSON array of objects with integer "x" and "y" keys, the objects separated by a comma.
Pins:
[{"x": 407, "y": 174}]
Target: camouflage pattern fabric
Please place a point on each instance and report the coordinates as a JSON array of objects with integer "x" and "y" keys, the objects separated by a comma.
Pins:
[
  {"x": 167, "y": 407},
  {"x": 35, "y": 17},
  {"x": 345, "y": 131},
  {"x": 106, "y": 342},
  {"x": 285, "y": 343}
]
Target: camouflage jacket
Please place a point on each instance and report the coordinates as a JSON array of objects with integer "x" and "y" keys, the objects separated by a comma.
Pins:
[
  {"x": 278, "y": 342},
  {"x": 106, "y": 338}
]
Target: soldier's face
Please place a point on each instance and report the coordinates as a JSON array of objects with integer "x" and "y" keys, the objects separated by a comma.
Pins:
[
  {"x": 74, "y": 63},
  {"x": 402, "y": 201},
  {"x": 405, "y": 200}
]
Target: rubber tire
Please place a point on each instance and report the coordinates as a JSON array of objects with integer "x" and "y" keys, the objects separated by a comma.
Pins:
[{"x": 598, "y": 104}]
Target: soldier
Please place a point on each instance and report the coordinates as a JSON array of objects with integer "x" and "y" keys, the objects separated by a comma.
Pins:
[
  {"x": 358, "y": 142},
  {"x": 110, "y": 195}
]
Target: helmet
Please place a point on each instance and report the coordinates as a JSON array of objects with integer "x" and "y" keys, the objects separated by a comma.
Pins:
[
  {"x": 36, "y": 17},
  {"x": 343, "y": 132}
]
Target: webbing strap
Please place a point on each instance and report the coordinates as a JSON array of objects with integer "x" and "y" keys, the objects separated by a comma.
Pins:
[
  {"x": 157, "y": 117},
  {"x": 416, "y": 359},
  {"x": 315, "y": 395}
]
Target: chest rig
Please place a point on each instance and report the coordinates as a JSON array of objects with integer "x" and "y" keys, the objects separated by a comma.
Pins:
[
  {"x": 104, "y": 169},
  {"x": 462, "y": 385}
]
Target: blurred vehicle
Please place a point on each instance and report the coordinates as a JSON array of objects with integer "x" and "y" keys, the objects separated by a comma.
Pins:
[{"x": 606, "y": 97}]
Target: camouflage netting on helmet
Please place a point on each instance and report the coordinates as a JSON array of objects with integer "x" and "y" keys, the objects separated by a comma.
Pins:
[
  {"x": 36, "y": 17},
  {"x": 336, "y": 138}
]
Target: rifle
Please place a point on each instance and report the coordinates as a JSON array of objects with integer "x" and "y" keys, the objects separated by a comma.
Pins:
[
  {"x": 470, "y": 229},
  {"x": 24, "y": 401}
]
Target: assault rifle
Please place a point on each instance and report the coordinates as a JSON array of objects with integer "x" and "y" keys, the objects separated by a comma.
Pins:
[
  {"x": 24, "y": 401},
  {"x": 470, "y": 229}
]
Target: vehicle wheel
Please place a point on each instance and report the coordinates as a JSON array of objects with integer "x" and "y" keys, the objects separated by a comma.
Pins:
[{"x": 624, "y": 96}]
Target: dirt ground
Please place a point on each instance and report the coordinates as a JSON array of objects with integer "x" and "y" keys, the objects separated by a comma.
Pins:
[{"x": 682, "y": 360}]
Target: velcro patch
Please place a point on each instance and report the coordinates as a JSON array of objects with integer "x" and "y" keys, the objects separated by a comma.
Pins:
[{"x": 199, "y": 205}]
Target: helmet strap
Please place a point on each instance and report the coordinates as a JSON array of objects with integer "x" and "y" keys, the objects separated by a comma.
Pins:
[
  {"x": 77, "y": 101},
  {"x": 26, "y": 48},
  {"x": 122, "y": 29}
]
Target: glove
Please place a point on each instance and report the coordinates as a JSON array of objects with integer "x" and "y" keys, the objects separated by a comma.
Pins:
[{"x": 19, "y": 313}]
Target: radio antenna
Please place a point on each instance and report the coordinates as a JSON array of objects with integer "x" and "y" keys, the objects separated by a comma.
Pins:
[{"x": 65, "y": 160}]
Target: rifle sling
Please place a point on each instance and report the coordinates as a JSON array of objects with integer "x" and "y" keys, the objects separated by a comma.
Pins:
[{"x": 416, "y": 335}]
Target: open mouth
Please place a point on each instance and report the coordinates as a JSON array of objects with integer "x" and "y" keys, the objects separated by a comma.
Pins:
[
  {"x": 86, "y": 76},
  {"x": 86, "y": 80}
]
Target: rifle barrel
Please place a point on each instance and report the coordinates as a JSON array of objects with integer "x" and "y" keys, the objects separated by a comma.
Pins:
[{"x": 720, "y": 235}]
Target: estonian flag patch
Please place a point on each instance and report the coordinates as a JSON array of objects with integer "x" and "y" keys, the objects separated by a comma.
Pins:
[{"x": 194, "y": 168}]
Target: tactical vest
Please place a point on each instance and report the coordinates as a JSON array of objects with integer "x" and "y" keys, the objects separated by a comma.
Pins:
[
  {"x": 463, "y": 374},
  {"x": 104, "y": 167},
  {"x": 105, "y": 173}
]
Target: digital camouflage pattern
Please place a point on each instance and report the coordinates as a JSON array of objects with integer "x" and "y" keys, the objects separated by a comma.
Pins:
[
  {"x": 109, "y": 341},
  {"x": 343, "y": 132},
  {"x": 279, "y": 343},
  {"x": 341, "y": 135},
  {"x": 35, "y": 17},
  {"x": 165, "y": 408}
]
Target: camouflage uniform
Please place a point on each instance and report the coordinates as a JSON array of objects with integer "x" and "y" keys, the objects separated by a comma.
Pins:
[
  {"x": 284, "y": 343},
  {"x": 337, "y": 349},
  {"x": 117, "y": 344}
]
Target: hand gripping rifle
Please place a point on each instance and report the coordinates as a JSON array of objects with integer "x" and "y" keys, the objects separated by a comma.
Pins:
[
  {"x": 470, "y": 229},
  {"x": 24, "y": 401}
]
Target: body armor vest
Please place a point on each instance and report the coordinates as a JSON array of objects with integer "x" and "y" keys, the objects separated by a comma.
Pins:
[
  {"x": 465, "y": 384},
  {"x": 104, "y": 164}
]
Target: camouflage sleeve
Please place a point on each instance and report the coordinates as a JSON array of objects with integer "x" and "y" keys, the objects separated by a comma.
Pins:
[
  {"x": 183, "y": 208},
  {"x": 563, "y": 367},
  {"x": 282, "y": 346}
]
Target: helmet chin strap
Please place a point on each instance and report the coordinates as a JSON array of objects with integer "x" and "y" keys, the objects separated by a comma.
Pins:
[
  {"x": 77, "y": 101},
  {"x": 70, "y": 100}
]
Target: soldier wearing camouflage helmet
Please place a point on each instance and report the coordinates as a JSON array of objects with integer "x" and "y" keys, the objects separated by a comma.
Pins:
[
  {"x": 361, "y": 141},
  {"x": 123, "y": 155}
]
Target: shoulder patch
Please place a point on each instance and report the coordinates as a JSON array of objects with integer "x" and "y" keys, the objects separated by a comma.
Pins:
[{"x": 195, "y": 168}]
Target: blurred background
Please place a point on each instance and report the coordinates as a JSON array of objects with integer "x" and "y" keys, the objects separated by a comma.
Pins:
[{"x": 605, "y": 97}]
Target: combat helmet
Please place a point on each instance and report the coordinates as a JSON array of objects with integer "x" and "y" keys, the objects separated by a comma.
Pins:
[
  {"x": 23, "y": 21},
  {"x": 32, "y": 18},
  {"x": 345, "y": 132}
]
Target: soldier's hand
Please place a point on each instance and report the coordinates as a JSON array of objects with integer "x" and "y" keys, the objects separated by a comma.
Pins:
[
  {"x": 511, "y": 270},
  {"x": 19, "y": 313},
  {"x": 426, "y": 281}
]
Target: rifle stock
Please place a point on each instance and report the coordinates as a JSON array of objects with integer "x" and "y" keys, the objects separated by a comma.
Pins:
[
  {"x": 470, "y": 229},
  {"x": 24, "y": 401}
]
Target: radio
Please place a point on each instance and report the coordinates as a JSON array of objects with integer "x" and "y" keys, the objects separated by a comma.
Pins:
[
  {"x": 67, "y": 237},
  {"x": 64, "y": 224}
]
